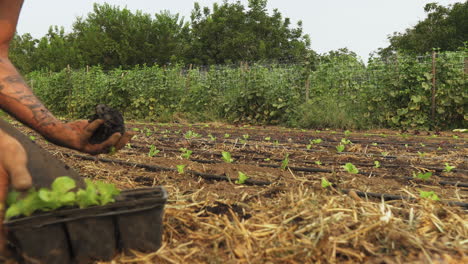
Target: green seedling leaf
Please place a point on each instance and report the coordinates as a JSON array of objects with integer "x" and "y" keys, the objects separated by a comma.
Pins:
[
  {"x": 32, "y": 138},
  {"x": 316, "y": 141},
  {"x": 455, "y": 136},
  {"x": 180, "y": 168},
  {"x": 285, "y": 162},
  {"x": 374, "y": 144},
  {"x": 308, "y": 146},
  {"x": 136, "y": 129},
  {"x": 384, "y": 153},
  {"x": 89, "y": 196},
  {"x": 242, "y": 178},
  {"x": 347, "y": 133},
  {"x": 429, "y": 195},
  {"x": 421, "y": 154},
  {"x": 318, "y": 162},
  {"x": 190, "y": 134},
  {"x": 153, "y": 151},
  {"x": 226, "y": 135},
  {"x": 246, "y": 136},
  {"x": 448, "y": 168},
  {"x": 212, "y": 138},
  {"x": 107, "y": 192},
  {"x": 377, "y": 164},
  {"x": 326, "y": 183},
  {"x": 340, "y": 148},
  {"x": 349, "y": 167},
  {"x": 267, "y": 159},
  {"x": 267, "y": 138},
  {"x": 423, "y": 176},
  {"x": 12, "y": 197},
  {"x": 226, "y": 156},
  {"x": 185, "y": 153},
  {"x": 12, "y": 211},
  {"x": 345, "y": 141}
]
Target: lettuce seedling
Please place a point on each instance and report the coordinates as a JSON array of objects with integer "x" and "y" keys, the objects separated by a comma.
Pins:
[
  {"x": 423, "y": 176},
  {"x": 87, "y": 197},
  {"x": 107, "y": 192},
  {"x": 349, "y": 167},
  {"x": 285, "y": 162},
  {"x": 180, "y": 168},
  {"x": 153, "y": 151},
  {"x": 376, "y": 164},
  {"x": 448, "y": 168},
  {"x": 429, "y": 195},
  {"x": 226, "y": 156},
  {"x": 242, "y": 178},
  {"x": 60, "y": 194},
  {"x": 325, "y": 183},
  {"x": 340, "y": 148},
  {"x": 185, "y": 153},
  {"x": 316, "y": 141}
]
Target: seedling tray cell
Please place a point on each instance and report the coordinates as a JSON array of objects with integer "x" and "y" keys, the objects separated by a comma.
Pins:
[{"x": 82, "y": 236}]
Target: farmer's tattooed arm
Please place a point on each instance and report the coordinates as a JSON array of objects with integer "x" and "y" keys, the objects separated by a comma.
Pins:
[{"x": 17, "y": 99}]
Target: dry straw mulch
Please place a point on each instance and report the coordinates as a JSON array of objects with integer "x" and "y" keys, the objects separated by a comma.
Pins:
[{"x": 307, "y": 225}]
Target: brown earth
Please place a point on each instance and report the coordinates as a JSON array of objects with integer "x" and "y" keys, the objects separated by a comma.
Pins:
[{"x": 294, "y": 219}]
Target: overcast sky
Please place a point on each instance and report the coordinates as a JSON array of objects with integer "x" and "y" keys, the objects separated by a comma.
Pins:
[{"x": 360, "y": 25}]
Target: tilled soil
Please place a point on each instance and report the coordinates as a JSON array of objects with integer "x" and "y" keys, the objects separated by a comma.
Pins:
[{"x": 282, "y": 213}]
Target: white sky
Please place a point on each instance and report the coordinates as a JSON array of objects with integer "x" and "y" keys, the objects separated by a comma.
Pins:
[{"x": 360, "y": 25}]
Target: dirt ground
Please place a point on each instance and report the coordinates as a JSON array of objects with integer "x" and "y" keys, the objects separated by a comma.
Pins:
[{"x": 283, "y": 213}]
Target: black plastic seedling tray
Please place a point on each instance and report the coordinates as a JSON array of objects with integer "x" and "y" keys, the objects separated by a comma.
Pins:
[{"x": 82, "y": 236}]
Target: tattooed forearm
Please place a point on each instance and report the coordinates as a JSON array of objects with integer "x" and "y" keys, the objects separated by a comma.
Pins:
[{"x": 18, "y": 91}]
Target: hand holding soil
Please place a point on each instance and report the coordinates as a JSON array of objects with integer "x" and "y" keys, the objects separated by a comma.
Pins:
[{"x": 79, "y": 134}]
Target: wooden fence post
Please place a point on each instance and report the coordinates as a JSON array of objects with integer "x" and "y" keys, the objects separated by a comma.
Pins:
[
  {"x": 433, "y": 106},
  {"x": 466, "y": 65},
  {"x": 307, "y": 88},
  {"x": 187, "y": 80}
]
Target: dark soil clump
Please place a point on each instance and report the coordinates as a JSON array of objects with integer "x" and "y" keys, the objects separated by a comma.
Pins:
[{"x": 114, "y": 123}]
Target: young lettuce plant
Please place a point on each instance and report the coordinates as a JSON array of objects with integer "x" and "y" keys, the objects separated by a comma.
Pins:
[
  {"x": 423, "y": 176},
  {"x": 185, "y": 153},
  {"x": 180, "y": 168},
  {"x": 153, "y": 151},
  {"x": 349, "y": 167},
  {"x": 60, "y": 195},
  {"x": 429, "y": 195},
  {"x": 340, "y": 148},
  {"x": 242, "y": 178},
  {"x": 226, "y": 156},
  {"x": 285, "y": 162},
  {"x": 325, "y": 183},
  {"x": 448, "y": 168}
]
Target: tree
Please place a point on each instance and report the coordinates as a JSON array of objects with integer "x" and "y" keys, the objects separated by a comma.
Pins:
[
  {"x": 445, "y": 28},
  {"x": 231, "y": 33},
  {"x": 115, "y": 38},
  {"x": 22, "y": 49}
]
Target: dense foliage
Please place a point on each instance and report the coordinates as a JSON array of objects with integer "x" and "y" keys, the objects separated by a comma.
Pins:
[
  {"x": 445, "y": 28},
  {"x": 112, "y": 37},
  {"x": 343, "y": 92}
]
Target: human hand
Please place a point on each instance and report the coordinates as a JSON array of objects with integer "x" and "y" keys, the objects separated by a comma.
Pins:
[
  {"x": 13, "y": 168},
  {"x": 76, "y": 135}
]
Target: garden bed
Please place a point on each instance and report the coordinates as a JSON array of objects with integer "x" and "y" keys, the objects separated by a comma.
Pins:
[{"x": 282, "y": 213}]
